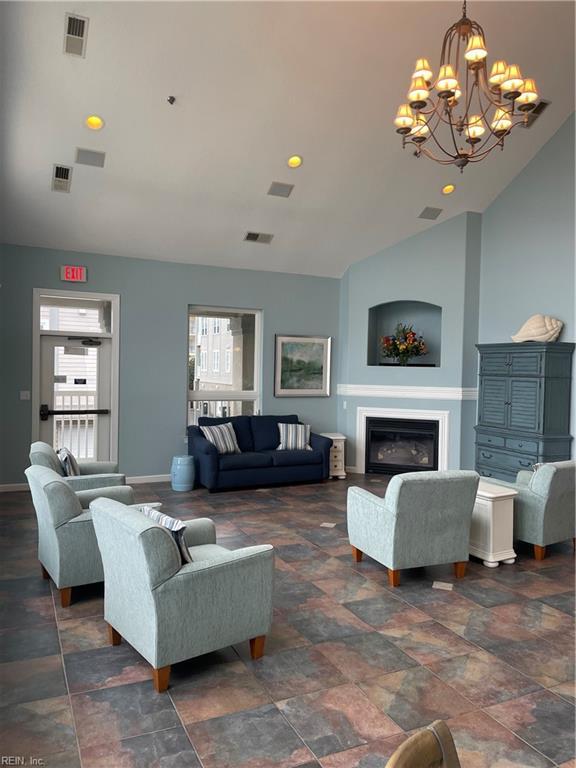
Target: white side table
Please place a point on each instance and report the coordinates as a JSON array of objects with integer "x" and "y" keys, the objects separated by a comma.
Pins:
[
  {"x": 337, "y": 465},
  {"x": 491, "y": 531}
]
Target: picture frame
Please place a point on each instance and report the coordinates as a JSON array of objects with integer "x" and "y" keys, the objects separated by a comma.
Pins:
[{"x": 302, "y": 366}]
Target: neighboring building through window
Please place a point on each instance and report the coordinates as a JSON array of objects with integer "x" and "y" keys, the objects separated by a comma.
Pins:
[{"x": 223, "y": 355}]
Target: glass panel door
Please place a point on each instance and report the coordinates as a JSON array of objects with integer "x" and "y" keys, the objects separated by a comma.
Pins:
[{"x": 75, "y": 395}]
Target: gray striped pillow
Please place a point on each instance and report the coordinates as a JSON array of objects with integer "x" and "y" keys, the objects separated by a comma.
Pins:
[
  {"x": 175, "y": 527},
  {"x": 223, "y": 437},
  {"x": 294, "y": 437}
]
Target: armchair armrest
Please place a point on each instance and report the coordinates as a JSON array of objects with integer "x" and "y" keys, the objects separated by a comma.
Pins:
[
  {"x": 524, "y": 476},
  {"x": 200, "y": 531},
  {"x": 253, "y": 556},
  {"x": 368, "y": 501},
  {"x": 202, "y": 446},
  {"x": 121, "y": 493},
  {"x": 87, "y": 482},
  {"x": 97, "y": 467}
]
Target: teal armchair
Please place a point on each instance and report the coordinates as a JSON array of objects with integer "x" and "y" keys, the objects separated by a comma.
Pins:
[
  {"x": 67, "y": 547},
  {"x": 168, "y": 611},
  {"x": 544, "y": 509},
  {"x": 424, "y": 519},
  {"x": 93, "y": 474}
]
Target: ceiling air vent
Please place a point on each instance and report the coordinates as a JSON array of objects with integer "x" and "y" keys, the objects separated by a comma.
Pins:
[
  {"x": 258, "y": 237},
  {"x": 430, "y": 213},
  {"x": 535, "y": 114},
  {"x": 90, "y": 157},
  {"x": 61, "y": 178},
  {"x": 278, "y": 189},
  {"x": 75, "y": 34}
]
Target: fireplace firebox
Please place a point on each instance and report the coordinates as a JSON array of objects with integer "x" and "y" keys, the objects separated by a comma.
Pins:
[{"x": 401, "y": 445}]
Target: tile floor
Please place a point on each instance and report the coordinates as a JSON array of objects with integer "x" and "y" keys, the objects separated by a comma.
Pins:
[{"x": 351, "y": 666}]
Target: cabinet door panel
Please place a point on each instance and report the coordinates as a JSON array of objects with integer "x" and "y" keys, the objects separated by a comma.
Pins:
[
  {"x": 494, "y": 362},
  {"x": 493, "y": 392},
  {"x": 525, "y": 363},
  {"x": 525, "y": 410}
]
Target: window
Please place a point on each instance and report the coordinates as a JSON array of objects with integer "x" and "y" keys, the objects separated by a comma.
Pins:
[{"x": 228, "y": 387}]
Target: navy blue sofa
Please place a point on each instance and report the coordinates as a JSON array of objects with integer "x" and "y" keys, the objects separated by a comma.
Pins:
[{"x": 259, "y": 463}]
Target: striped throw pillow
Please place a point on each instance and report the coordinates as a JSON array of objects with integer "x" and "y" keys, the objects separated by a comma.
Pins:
[
  {"x": 68, "y": 461},
  {"x": 294, "y": 437},
  {"x": 223, "y": 437},
  {"x": 175, "y": 527}
]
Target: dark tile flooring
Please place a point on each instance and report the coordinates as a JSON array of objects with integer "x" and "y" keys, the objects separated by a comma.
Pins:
[{"x": 351, "y": 666}]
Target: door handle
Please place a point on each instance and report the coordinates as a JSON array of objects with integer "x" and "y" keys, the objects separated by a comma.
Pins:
[
  {"x": 45, "y": 412},
  {"x": 486, "y": 455},
  {"x": 524, "y": 463}
]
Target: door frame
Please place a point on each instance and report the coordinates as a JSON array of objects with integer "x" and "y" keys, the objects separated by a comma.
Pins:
[{"x": 114, "y": 300}]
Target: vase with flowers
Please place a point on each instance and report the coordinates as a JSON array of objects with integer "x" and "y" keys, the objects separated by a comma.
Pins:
[{"x": 403, "y": 344}]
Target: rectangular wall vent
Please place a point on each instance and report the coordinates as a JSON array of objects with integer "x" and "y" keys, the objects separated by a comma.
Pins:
[
  {"x": 258, "y": 237},
  {"x": 278, "y": 189},
  {"x": 536, "y": 112},
  {"x": 61, "y": 178},
  {"x": 430, "y": 213},
  {"x": 75, "y": 34},
  {"x": 90, "y": 157}
]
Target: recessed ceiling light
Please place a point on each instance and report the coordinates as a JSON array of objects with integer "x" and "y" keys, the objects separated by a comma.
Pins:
[
  {"x": 295, "y": 161},
  {"x": 94, "y": 122},
  {"x": 447, "y": 189}
]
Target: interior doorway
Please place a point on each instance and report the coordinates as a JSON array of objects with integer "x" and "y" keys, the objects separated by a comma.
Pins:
[{"x": 75, "y": 391}]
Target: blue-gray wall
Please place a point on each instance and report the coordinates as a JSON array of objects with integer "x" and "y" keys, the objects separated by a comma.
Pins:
[
  {"x": 154, "y": 298},
  {"x": 439, "y": 266},
  {"x": 528, "y": 247}
]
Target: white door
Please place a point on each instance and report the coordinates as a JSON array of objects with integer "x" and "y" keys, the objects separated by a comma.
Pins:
[{"x": 75, "y": 394}]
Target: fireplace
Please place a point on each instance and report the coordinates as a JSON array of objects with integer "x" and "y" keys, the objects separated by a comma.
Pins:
[{"x": 401, "y": 445}]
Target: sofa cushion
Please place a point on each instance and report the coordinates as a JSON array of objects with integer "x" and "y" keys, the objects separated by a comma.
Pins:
[
  {"x": 222, "y": 436},
  {"x": 248, "y": 460},
  {"x": 295, "y": 458},
  {"x": 265, "y": 430},
  {"x": 241, "y": 426}
]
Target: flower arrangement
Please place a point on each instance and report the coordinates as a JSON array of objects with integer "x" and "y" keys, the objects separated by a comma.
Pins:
[{"x": 403, "y": 345}]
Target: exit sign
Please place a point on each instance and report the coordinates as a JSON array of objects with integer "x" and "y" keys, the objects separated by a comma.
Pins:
[{"x": 73, "y": 274}]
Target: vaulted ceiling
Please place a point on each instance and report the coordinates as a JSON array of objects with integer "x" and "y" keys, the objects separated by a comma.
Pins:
[{"x": 254, "y": 83}]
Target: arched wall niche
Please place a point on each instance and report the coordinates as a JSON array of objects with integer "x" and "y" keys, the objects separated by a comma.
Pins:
[{"x": 425, "y": 318}]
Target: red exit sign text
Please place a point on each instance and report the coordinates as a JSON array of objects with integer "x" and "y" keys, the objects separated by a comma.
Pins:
[{"x": 73, "y": 274}]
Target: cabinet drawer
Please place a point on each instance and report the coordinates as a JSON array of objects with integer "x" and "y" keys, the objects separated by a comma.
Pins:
[
  {"x": 508, "y": 462},
  {"x": 526, "y": 446},
  {"x": 496, "y": 474},
  {"x": 494, "y": 440}
]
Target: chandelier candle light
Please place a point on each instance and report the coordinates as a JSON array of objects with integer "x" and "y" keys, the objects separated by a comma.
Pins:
[{"x": 469, "y": 105}]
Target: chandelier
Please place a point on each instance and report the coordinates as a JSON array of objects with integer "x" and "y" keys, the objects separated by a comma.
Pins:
[{"x": 466, "y": 113}]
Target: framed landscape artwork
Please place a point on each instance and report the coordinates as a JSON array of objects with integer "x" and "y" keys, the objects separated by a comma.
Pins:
[{"x": 302, "y": 366}]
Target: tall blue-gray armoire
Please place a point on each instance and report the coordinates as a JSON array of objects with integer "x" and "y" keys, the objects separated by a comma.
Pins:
[{"x": 523, "y": 406}]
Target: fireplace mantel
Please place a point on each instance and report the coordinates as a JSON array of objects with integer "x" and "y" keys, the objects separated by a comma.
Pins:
[{"x": 442, "y": 417}]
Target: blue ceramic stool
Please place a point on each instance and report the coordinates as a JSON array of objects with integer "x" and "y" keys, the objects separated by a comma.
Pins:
[{"x": 182, "y": 474}]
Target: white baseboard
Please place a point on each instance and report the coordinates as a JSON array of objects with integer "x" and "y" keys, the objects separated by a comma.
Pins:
[
  {"x": 353, "y": 470},
  {"x": 137, "y": 479},
  {"x": 10, "y": 487}
]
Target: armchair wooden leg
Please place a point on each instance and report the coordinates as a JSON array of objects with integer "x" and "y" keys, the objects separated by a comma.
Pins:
[
  {"x": 161, "y": 678},
  {"x": 460, "y": 569},
  {"x": 257, "y": 646},
  {"x": 45, "y": 574},
  {"x": 357, "y": 555},
  {"x": 114, "y": 637},
  {"x": 539, "y": 552},
  {"x": 393, "y": 578},
  {"x": 65, "y": 597}
]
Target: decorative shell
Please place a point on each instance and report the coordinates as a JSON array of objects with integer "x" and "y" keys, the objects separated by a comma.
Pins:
[{"x": 539, "y": 328}]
